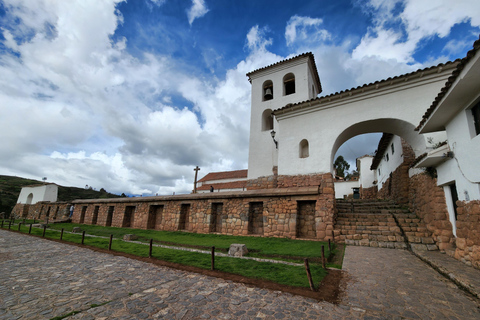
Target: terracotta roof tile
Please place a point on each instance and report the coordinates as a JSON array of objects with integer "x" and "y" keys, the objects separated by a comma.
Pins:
[
  {"x": 224, "y": 185},
  {"x": 306, "y": 54},
  {"x": 360, "y": 89},
  {"x": 236, "y": 174},
  {"x": 449, "y": 83}
]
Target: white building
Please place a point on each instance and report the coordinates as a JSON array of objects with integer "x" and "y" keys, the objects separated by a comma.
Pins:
[
  {"x": 223, "y": 181},
  {"x": 34, "y": 194},
  {"x": 456, "y": 110},
  {"x": 308, "y": 131},
  {"x": 366, "y": 179}
]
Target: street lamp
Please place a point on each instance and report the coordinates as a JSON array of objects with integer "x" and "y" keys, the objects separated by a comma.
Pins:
[{"x": 272, "y": 133}]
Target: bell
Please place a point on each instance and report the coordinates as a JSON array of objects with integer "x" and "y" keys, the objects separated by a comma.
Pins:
[{"x": 268, "y": 94}]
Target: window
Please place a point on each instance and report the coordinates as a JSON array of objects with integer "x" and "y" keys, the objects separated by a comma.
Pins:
[
  {"x": 386, "y": 157},
  {"x": 379, "y": 171},
  {"x": 393, "y": 149},
  {"x": 288, "y": 84},
  {"x": 476, "y": 118},
  {"x": 267, "y": 92},
  {"x": 303, "y": 149},
  {"x": 267, "y": 120}
]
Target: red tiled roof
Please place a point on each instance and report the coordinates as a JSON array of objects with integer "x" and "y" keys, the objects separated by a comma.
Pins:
[
  {"x": 361, "y": 89},
  {"x": 307, "y": 54},
  {"x": 225, "y": 185},
  {"x": 449, "y": 83},
  {"x": 236, "y": 174},
  {"x": 382, "y": 146}
]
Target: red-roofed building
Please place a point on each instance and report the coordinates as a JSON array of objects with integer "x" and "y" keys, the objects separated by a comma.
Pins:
[{"x": 223, "y": 181}]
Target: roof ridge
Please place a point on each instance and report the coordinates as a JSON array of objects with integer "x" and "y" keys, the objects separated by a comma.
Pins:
[
  {"x": 368, "y": 84},
  {"x": 449, "y": 83}
]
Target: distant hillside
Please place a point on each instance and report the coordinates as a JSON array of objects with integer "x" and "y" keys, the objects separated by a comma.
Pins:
[{"x": 10, "y": 189}]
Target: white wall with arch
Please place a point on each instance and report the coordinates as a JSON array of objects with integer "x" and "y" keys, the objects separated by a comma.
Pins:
[{"x": 34, "y": 194}]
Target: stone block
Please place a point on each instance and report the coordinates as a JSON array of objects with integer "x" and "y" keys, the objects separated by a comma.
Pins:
[
  {"x": 237, "y": 250},
  {"x": 130, "y": 237},
  {"x": 401, "y": 245},
  {"x": 419, "y": 247},
  {"x": 427, "y": 241},
  {"x": 364, "y": 242}
]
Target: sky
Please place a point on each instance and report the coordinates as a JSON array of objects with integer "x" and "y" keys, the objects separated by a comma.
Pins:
[{"x": 130, "y": 96}]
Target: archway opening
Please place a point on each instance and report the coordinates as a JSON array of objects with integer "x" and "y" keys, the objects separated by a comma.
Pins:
[
  {"x": 377, "y": 154},
  {"x": 29, "y": 198}
]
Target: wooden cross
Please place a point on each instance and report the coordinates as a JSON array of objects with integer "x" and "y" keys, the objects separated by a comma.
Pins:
[{"x": 195, "y": 182}]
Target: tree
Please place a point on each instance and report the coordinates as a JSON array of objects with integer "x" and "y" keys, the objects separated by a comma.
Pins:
[{"x": 341, "y": 166}]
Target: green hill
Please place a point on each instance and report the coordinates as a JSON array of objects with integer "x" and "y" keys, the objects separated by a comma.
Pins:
[{"x": 10, "y": 188}]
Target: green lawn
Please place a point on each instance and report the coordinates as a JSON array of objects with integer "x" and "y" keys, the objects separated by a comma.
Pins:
[
  {"x": 284, "y": 249},
  {"x": 259, "y": 246}
]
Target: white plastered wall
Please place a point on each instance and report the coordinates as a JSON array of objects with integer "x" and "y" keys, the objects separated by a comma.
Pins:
[
  {"x": 47, "y": 192},
  {"x": 263, "y": 154},
  {"x": 327, "y": 126}
]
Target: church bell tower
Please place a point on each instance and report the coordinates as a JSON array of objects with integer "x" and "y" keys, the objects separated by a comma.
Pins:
[{"x": 273, "y": 87}]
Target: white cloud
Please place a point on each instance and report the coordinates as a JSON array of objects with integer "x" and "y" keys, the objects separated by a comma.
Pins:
[
  {"x": 303, "y": 28},
  {"x": 257, "y": 40},
  {"x": 419, "y": 20},
  {"x": 198, "y": 10}
]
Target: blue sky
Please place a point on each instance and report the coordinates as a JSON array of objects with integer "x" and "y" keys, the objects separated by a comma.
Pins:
[{"x": 131, "y": 95}]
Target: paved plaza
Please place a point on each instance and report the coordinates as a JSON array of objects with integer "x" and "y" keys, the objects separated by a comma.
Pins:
[{"x": 42, "y": 279}]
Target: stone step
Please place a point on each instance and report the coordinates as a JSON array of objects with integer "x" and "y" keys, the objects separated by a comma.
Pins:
[{"x": 380, "y": 224}]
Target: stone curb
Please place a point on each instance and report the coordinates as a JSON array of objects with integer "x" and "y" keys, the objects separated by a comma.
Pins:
[{"x": 460, "y": 281}]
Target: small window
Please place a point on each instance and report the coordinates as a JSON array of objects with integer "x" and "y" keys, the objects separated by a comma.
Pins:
[
  {"x": 304, "y": 152},
  {"x": 476, "y": 118},
  {"x": 267, "y": 120},
  {"x": 267, "y": 92},
  {"x": 379, "y": 171},
  {"x": 393, "y": 149},
  {"x": 386, "y": 157},
  {"x": 289, "y": 84}
]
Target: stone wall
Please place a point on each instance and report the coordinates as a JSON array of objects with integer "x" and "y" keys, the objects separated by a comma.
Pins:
[
  {"x": 396, "y": 187},
  {"x": 302, "y": 212},
  {"x": 468, "y": 233},
  {"x": 369, "y": 193},
  {"x": 42, "y": 210},
  {"x": 427, "y": 201}
]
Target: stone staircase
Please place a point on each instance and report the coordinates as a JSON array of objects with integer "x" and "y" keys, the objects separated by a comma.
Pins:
[{"x": 380, "y": 223}]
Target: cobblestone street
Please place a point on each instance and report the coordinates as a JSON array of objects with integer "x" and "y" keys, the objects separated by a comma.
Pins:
[{"x": 42, "y": 279}]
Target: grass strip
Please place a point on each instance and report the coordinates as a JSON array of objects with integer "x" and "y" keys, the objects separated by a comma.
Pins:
[
  {"x": 279, "y": 273},
  {"x": 257, "y": 246}
]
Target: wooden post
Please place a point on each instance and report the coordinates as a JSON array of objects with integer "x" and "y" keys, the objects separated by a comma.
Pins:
[
  {"x": 30, "y": 229},
  {"x": 329, "y": 246},
  {"x": 323, "y": 257},
  {"x": 44, "y": 229},
  {"x": 309, "y": 275},
  {"x": 213, "y": 258},
  {"x": 9, "y": 224},
  {"x": 19, "y": 225},
  {"x": 33, "y": 220},
  {"x": 2, "y": 223},
  {"x": 61, "y": 234},
  {"x": 110, "y": 243},
  {"x": 333, "y": 236},
  {"x": 150, "y": 251},
  {"x": 83, "y": 236}
]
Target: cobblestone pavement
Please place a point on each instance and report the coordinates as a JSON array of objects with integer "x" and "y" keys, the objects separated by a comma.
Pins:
[{"x": 41, "y": 279}]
